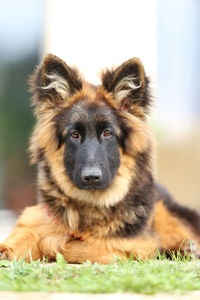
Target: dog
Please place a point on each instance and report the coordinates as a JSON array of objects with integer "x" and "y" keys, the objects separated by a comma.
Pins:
[{"x": 97, "y": 196}]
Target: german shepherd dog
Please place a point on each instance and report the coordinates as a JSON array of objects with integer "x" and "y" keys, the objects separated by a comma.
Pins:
[{"x": 96, "y": 191}]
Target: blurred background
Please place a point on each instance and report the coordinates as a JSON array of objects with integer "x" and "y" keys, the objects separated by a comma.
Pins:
[{"x": 165, "y": 34}]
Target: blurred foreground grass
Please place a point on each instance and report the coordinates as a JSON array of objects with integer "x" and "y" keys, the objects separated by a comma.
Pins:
[{"x": 147, "y": 277}]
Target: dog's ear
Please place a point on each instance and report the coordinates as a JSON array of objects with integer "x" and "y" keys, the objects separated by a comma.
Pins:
[
  {"x": 128, "y": 85},
  {"x": 53, "y": 82}
]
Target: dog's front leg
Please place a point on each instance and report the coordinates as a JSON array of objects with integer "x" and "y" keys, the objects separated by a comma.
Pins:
[
  {"x": 108, "y": 250},
  {"x": 22, "y": 243},
  {"x": 78, "y": 251}
]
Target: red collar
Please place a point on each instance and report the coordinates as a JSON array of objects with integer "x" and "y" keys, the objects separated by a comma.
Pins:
[
  {"x": 73, "y": 235},
  {"x": 50, "y": 214}
]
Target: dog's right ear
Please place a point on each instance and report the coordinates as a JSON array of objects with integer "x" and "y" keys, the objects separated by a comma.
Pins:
[
  {"x": 129, "y": 86},
  {"x": 53, "y": 82}
]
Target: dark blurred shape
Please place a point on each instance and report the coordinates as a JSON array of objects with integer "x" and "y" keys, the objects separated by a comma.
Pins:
[
  {"x": 16, "y": 122},
  {"x": 21, "y": 36}
]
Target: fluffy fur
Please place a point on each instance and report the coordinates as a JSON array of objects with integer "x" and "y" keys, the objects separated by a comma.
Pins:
[{"x": 123, "y": 214}]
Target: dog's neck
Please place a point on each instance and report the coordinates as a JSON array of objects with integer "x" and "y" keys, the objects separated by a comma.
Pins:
[{"x": 125, "y": 218}]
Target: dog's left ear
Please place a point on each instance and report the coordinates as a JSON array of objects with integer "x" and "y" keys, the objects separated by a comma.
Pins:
[
  {"x": 53, "y": 82},
  {"x": 128, "y": 85}
]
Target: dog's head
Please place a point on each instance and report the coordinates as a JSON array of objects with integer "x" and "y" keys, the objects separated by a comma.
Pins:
[{"x": 90, "y": 137}]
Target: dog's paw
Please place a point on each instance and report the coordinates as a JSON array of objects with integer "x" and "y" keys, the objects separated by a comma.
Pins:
[
  {"x": 190, "y": 248},
  {"x": 6, "y": 252}
]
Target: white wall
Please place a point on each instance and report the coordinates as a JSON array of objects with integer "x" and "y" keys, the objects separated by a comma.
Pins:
[{"x": 94, "y": 34}]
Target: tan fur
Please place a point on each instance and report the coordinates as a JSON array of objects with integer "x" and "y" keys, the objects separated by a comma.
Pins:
[
  {"x": 39, "y": 236},
  {"x": 42, "y": 238},
  {"x": 109, "y": 197},
  {"x": 44, "y": 138},
  {"x": 171, "y": 230},
  {"x": 92, "y": 225}
]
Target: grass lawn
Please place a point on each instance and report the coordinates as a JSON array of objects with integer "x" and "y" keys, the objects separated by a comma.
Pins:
[{"x": 147, "y": 277}]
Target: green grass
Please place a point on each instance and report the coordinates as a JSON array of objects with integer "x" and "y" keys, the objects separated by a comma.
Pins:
[{"x": 147, "y": 277}]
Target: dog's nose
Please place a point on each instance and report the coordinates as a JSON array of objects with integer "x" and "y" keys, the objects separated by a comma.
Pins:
[{"x": 91, "y": 175}]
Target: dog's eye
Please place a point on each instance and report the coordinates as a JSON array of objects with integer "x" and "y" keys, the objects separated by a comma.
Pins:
[
  {"x": 107, "y": 133},
  {"x": 75, "y": 134}
]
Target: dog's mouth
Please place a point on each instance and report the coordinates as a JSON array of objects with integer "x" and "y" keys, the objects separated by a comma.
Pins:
[{"x": 93, "y": 186}]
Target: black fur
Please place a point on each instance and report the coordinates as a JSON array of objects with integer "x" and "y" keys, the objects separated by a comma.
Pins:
[
  {"x": 131, "y": 68},
  {"x": 54, "y": 65},
  {"x": 140, "y": 199},
  {"x": 187, "y": 214},
  {"x": 92, "y": 150}
]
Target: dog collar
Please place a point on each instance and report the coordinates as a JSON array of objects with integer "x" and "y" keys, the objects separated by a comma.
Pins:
[{"x": 73, "y": 235}]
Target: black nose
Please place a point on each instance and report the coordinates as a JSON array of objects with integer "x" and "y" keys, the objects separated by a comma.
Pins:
[{"x": 91, "y": 175}]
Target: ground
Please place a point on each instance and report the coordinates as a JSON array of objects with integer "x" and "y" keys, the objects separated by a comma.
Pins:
[
  {"x": 177, "y": 277},
  {"x": 152, "y": 279}
]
